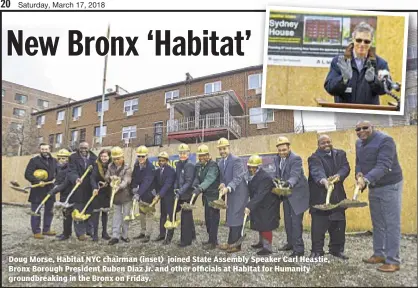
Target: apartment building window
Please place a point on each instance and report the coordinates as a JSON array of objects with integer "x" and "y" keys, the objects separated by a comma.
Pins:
[
  {"x": 158, "y": 133},
  {"x": 130, "y": 105},
  {"x": 128, "y": 132},
  {"x": 213, "y": 87},
  {"x": 254, "y": 81},
  {"x": 3, "y": 92},
  {"x": 412, "y": 52},
  {"x": 76, "y": 112},
  {"x": 82, "y": 134},
  {"x": 34, "y": 110},
  {"x": 74, "y": 137},
  {"x": 40, "y": 140},
  {"x": 169, "y": 95},
  {"x": 19, "y": 112},
  {"x": 51, "y": 140},
  {"x": 61, "y": 115},
  {"x": 15, "y": 127},
  {"x": 105, "y": 106},
  {"x": 259, "y": 115},
  {"x": 40, "y": 120},
  {"x": 21, "y": 99},
  {"x": 43, "y": 103},
  {"x": 97, "y": 131},
  {"x": 58, "y": 140}
]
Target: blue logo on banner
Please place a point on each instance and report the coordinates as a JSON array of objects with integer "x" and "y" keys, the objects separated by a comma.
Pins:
[{"x": 173, "y": 159}]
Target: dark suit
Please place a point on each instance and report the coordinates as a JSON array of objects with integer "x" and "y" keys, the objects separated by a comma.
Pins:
[
  {"x": 144, "y": 179},
  {"x": 296, "y": 204},
  {"x": 165, "y": 178},
  {"x": 322, "y": 165},
  {"x": 185, "y": 174},
  {"x": 38, "y": 194},
  {"x": 83, "y": 193}
]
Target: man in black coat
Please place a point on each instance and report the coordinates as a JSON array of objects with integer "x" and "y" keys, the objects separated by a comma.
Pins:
[
  {"x": 185, "y": 174},
  {"x": 43, "y": 161},
  {"x": 143, "y": 188},
  {"x": 353, "y": 77},
  {"x": 264, "y": 206},
  {"x": 79, "y": 162},
  {"x": 324, "y": 163},
  {"x": 165, "y": 177}
]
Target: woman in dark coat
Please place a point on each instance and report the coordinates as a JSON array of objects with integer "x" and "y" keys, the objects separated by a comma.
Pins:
[
  {"x": 102, "y": 200},
  {"x": 264, "y": 206}
]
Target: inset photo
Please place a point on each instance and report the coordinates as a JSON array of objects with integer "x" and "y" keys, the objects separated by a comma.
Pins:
[{"x": 335, "y": 60}]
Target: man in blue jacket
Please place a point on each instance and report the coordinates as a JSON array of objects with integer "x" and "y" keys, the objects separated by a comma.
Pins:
[
  {"x": 143, "y": 188},
  {"x": 377, "y": 167},
  {"x": 353, "y": 76}
]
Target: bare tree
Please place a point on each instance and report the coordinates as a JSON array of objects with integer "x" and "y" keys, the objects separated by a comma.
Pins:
[{"x": 23, "y": 137}]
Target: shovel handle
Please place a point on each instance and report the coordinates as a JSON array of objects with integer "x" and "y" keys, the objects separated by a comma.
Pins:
[
  {"x": 78, "y": 184},
  {"x": 329, "y": 192},
  {"x": 243, "y": 224},
  {"x": 191, "y": 200},
  {"x": 40, "y": 184},
  {"x": 87, "y": 205},
  {"x": 174, "y": 208},
  {"x": 42, "y": 203}
]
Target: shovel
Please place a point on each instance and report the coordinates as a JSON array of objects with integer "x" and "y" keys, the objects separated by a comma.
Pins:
[
  {"x": 147, "y": 208},
  {"x": 189, "y": 206},
  {"x": 171, "y": 225},
  {"x": 66, "y": 205},
  {"x": 115, "y": 186},
  {"x": 15, "y": 186},
  {"x": 36, "y": 213},
  {"x": 354, "y": 203},
  {"x": 219, "y": 203},
  {"x": 241, "y": 239},
  {"x": 77, "y": 216},
  {"x": 328, "y": 206},
  {"x": 279, "y": 189},
  {"x": 131, "y": 215}
]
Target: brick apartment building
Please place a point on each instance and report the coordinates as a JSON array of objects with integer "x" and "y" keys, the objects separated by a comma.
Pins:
[
  {"x": 316, "y": 28},
  {"x": 225, "y": 104},
  {"x": 18, "y": 102}
]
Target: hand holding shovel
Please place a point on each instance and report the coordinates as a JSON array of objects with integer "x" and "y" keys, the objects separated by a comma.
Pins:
[
  {"x": 328, "y": 206},
  {"x": 149, "y": 208},
  {"x": 280, "y": 188}
]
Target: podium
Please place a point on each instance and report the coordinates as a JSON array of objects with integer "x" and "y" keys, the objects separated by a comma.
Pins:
[{"x": 323, "y": 103}]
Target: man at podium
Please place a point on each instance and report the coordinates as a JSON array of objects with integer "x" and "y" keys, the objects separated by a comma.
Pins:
[{"x": 353, "y": 76}]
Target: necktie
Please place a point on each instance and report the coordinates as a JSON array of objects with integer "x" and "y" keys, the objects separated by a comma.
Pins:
[
  {"x": 224, "y": 164},
  {"x": 282, "y": 164},
  {"x": 161, "y": 173}
]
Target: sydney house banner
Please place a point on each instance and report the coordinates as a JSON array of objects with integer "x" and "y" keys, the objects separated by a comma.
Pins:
[{"x": 310, "y": 40}]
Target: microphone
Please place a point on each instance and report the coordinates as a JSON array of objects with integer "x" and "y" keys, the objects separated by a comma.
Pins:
[{"x": 384, "y": 75}]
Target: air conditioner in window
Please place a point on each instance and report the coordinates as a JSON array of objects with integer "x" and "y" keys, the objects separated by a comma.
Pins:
[
  {"x": 59, "y": 122},
  {"x": 130, "y": 113},
  {"x": 75, "y": 118},
  {"x": 38, "y": 126},
  {"x": 57, "y": 145},
  {"x": 262, "y": 126},
  {"x": 97, "y": 140},
  {"x": 258, "y": 90},
  {"x": 99, "y": 114}
]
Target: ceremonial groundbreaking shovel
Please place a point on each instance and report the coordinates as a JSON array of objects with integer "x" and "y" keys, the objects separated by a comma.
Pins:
[
  {"x": 241, "y": 239},
  {"x": 327, "y": 205},
  {"x": 66, "y": 205},
  {"x": 189, "y": 206},
  {"x": 131, "y": 215},
  {"x": 354, "y": 203},
  {"x": 219, "y": 203},
  {"x": 148, "y": 208},
  {"x": 15, "y": 186},
  {"x": 279, "y": 189},
  {"x": 36, "y": 213},
  {"x": 77, "y": 216},
  {"x": 115, "y": 187},
  {"x": 171, "y": 225}
]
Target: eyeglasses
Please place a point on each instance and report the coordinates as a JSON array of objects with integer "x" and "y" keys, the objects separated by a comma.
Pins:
[
  {"x": 365, "y": 41},
  {"x": 358, "y": 129},
  {"x": 140, "y": 156},
  {"x": 62, "y": 158}
]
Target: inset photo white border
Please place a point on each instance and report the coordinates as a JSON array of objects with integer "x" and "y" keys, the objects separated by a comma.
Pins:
[{"x": 339, "y": 11}]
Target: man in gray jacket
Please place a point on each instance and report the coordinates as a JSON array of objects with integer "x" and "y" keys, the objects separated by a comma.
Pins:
[
  {"x": 235, "y": 189},
  {"x": 289, "y": 170}
]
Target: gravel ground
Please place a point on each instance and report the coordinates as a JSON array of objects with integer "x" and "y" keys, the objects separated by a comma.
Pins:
[{"x": 18, "y": 242}]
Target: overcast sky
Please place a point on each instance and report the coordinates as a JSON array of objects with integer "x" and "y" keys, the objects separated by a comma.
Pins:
[{"x": 81, "y": 77}]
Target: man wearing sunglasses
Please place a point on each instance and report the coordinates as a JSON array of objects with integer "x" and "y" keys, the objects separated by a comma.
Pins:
[
  {"x": 353, "y": 76},
  {"x": 377, "y": 168}
]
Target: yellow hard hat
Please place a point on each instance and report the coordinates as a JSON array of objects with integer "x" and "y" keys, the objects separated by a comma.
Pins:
[
  {"x": 116, "y": 152},
  {"x": 255, "y": 161},
  {"x": 40, "y": 174},
  {"x": 142, "y": 151},
  {"x": 202, "y": 150},
  {"x": 183, "y": 148},
  {"x": 63, "y": 153},
  {"x": 223, "y": 142},
  {"x": 163, "y": 155},
  {"x": 282, "y": 140}
]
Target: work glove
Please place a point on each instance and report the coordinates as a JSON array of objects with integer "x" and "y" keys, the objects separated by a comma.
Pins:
[
  {"x": 177, "y": 193},
  {"x": 196, "y": 191},
  {"x": 286, "y": 185},
  {"x": 135, "y": 190},
  {"x": 247, "y": 211},
  {"x": 324, "y": 182},
  {"x": 369, "y": 75},
  {"x": 345, "y": 68},
  {"x": 136, "y": 197}
]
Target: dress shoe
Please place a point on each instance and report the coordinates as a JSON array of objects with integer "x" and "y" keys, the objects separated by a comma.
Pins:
[
  {"x": 233, "y": 249},
  {"x": 374, "y": 260},
  {"x": 159, "y": 238},
  {"x": 82, "y": 237},
  {"x": 38, "y": 236},
  {"x": 224, "y": 246},
  {"x": 263, "y": 252},
  {"x": 140, "y": 236},
  {"x": 257, "y": 246},
  {"x": 62, "y": 237},
  {"x": 49, "y": 233},
  {"x": 182, "y": 245},
  {"x": 389, "y": 268},
  {"x": 95, "y": 238},
  {"x": 286, "y": 247},
  {"x": 113, "y": 241},
  {"x": 296, "y": 254},
  {"x": 126, "y": 240},
  {"x": 146, "y": 239},
  {"x": 166, "y": 242},
  {"x": 339, "y": 255},
  {"x": 316, "y": 255},
  {"x": 209, "y": 246},
  {"x": 105, "y": 236}
]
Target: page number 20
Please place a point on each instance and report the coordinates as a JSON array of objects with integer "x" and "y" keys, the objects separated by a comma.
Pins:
[{"x": 5, "y": 3}]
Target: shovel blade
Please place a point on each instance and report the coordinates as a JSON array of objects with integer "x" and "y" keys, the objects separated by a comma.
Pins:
[
  {"x": 19, "y": 189},
  {"x": 14, "y": 183},
  {"x": 325, "y": 207},
  {"x": 187, "y": 207},
  {"x": 31, "y": 213},
  {"x": 352, "y": 204},
  {"x": 239, "y": 241}
]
